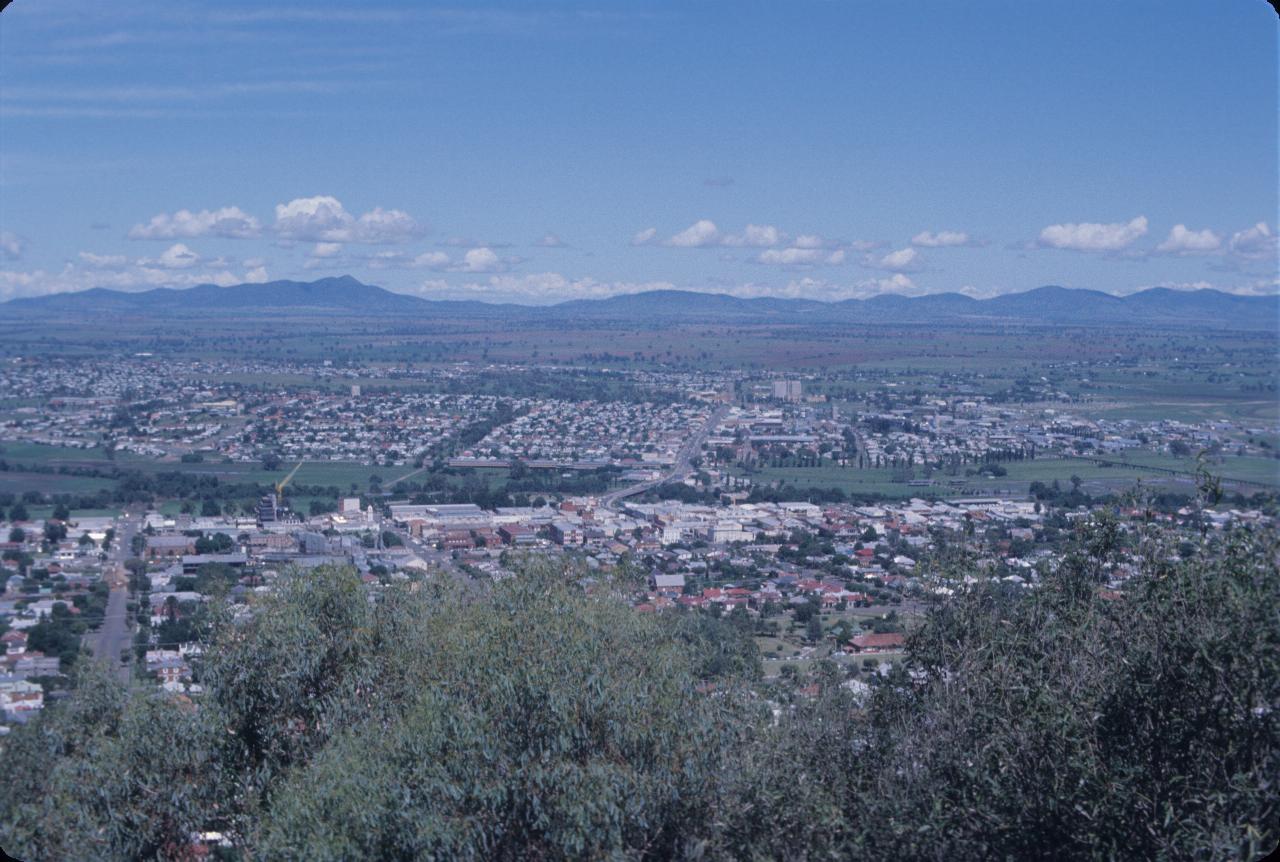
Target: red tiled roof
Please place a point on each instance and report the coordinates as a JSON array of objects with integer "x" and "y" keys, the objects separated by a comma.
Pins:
[{"x": 883, "y": 640}]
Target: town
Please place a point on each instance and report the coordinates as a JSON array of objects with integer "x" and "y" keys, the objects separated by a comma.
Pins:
[{"x": 823, "y": 510}]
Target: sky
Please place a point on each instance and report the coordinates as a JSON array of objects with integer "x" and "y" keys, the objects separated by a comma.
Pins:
[{"x": 537, "y": 152}]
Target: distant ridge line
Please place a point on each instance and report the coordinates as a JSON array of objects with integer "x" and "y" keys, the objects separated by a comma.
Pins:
[{"x": 1050, "y": 304}]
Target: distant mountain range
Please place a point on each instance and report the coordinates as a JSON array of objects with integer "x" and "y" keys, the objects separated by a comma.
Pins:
[{"x": 347, "y": 296}]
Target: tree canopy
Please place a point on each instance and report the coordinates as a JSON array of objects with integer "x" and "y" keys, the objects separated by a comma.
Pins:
[{"x": 539, "y": 719}]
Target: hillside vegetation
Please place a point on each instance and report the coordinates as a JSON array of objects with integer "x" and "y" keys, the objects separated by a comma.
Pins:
[{"x": 539, "y": 720}]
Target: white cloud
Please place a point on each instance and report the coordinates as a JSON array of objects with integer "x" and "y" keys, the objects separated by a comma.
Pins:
[
  {"x": 645, "y": 237},
  {"x": 176, "y": 256},
  {"x": 943, "y": 238},
  {"x": 141, "y": 275},
  {"x": 104, "y": 261},
  {"x": 228, "y": 222},
  {"x": 1182, "y": 241},
  {"x": 1256, "y": 287},
  {"x": 327, "y": 249},
  {"x": 317, "y": 218},
  {"x": 379, "y": 225},
  {"x": 700, "y": 234},
  {"x": 828, "y": 291},
  {"x": 432, "y": 260},
  {"x": 475, "y": 260},
  {"x": 538, "y": 288},
  {"x": 1088, "y": 236},
  {"x": 1255, "y": 243},
  {"x": 794, "y": 256},
  {"x": 324, "y": 219},
  {"x": 481, "y": 260},
  {"x": 551, "y": 240},
  {"x": 902, "y": 260},
  {"x": 10, "y": 245},
  {"x": 755, "y": 236}
]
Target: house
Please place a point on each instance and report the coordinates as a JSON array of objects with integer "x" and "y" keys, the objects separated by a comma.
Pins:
[
  {"x": 170, "y": 671},
  {"x": 877, "y": 643},
  {"x": 15, "y": 643},
  {"x": 667, "y": 583},
  {"x": 35, "y": 664},
  {"x": 20, "y": 695}
]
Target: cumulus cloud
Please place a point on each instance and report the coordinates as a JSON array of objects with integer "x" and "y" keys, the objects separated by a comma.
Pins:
[
  {"x": 1090, "y": 236},
  {"x": 317, "y": 218},
  {"x": 551, "y": 240},
  {"x": 755, "y": 236},
  {"x": 537, "y": 288},
  {"x": 480, "y": 260},
  {"x": 475, "y": 260},
  {"x": 10, "y": 245},
  {"x": 1255, "y": 243},
  {"x": 1182, "y": 241},
  {"x": 700, "y": 234},
  {"x": 104, "y": 261},
  {"x": 1256, "y": 287},
  {"x": 826, "y": 290},
  {"x": 141, "y": 275},
  {"x": 648, "y": 236},
  {"x": 795, "y": 256},
  {"x": 941, "y": 239},
  {"x": 323, "y": 218},
  {"x": 432, "y": 260},
  {"x": 704, "y": 233},
  {"x": 902, "y": 260},
  {"x": 327, "y": 249},
  {"x": 227, "y": 222},
  {"x": 176, "y": 256}
]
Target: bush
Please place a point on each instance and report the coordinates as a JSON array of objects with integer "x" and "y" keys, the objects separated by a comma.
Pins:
[{"x": 535, "y": 720}]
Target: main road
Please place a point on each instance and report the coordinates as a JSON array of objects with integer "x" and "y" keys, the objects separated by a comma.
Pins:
[
  {"x": 681, "y": 468},
  {"x": 113, "y": 637}
]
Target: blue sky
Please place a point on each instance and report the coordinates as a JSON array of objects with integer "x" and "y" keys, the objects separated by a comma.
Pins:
[{"x": 540, "y": 152}]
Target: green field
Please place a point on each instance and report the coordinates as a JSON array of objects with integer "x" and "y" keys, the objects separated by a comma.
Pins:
[{"x": 1096, "y": 477}]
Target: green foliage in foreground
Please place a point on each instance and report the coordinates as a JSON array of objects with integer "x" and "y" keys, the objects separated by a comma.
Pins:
[{"x": 536, "y": 721}]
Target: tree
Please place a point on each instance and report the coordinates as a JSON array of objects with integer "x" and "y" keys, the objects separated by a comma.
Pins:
[
  {"x": 536, "y": 719},
  {"x": 218, "y": 543},
  {"x": 813, "y": 630}
]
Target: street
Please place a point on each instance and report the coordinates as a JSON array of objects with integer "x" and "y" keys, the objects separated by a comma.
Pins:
[
  {"x": 679, "y": 470},
  {"x": 114, "y": 636}
]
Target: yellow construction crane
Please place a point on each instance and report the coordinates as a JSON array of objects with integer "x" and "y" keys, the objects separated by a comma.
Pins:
[{"x": 285, "y": 481}]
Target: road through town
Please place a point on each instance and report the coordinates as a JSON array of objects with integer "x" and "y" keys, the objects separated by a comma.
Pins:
[
  {"x": 113, "y": 638},
  {"x": 682, "y": 467}
]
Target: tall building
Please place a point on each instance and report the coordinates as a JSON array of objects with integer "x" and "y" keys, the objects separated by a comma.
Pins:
[
  {"x": 268, "y": 509},
  {"x": 788, "y": 390}
]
